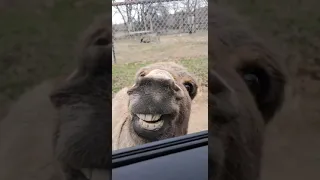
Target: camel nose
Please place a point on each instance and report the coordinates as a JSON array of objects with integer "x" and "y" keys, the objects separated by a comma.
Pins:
[
  {"x": 155, "y": 92},
  {"x": 151, "y": 85},
  {"x": 156, "y": 81},
  {"x": 159, "y": 74},
  {"x": 164, "y": 76}
]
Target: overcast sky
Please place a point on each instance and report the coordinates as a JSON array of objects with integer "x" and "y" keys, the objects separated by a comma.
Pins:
[{"x": 117, "y": 19}]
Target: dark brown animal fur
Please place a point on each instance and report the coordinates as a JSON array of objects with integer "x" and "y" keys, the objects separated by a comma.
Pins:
[
  {"x": 239, "y": 106},
  {"x": 174, "y": 103},
  {"x": 83, "y": 103},
  {"x": 35, "y": 145}
]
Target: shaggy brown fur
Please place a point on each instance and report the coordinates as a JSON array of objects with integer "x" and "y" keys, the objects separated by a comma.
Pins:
[
  {"x": 37, "y": 146},
  {"x": 246, "y": 89},
  {"x": 84, "y": 105},
  {"x": 170, "y": 98}
]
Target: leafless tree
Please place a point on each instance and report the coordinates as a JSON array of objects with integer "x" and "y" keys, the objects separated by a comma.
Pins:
[{"x": 128, "y": 18}]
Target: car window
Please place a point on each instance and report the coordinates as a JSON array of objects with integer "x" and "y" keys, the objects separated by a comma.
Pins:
[{"x": 159, "y": 72}]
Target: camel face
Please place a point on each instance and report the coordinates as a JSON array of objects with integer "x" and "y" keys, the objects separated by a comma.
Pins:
[
  {"x": 246, "y": 89},
  {"x": 83, "y": 105},
  {"x": 157, "y": 106},
  {"x": 158, "y": 103}
]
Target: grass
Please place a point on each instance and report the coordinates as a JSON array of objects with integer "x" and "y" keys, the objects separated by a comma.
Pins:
[
  {"x": 123, "y": 74},
  {"x": 171, "y": 47}
]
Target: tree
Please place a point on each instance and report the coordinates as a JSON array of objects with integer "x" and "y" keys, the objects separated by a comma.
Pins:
[{"x": 127, "y": 20}]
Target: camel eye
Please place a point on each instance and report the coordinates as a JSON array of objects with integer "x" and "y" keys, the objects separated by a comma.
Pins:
[
  {"x": 189, "y": 87},
  {"x": 258, "y": 82},
  {"x": 257, "y": 79},
  {"x": 253, "y": 82}
]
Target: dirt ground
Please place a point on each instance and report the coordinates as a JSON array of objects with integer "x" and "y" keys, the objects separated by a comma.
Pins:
[
  {"x": 171, "y": 47},
  {"x": 199, "y": 112}
]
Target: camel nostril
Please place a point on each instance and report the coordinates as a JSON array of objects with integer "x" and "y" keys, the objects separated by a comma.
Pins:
[{"x": 142, "y": 74}]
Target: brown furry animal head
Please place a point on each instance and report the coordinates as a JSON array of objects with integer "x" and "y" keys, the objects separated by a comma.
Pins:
[
  {"x": 246, "y": 89},
  {"x": 160, "y": 101},
  {"x": 83, "y": 102}
]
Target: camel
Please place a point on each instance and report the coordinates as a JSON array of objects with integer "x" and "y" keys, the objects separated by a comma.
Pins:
[
  {"x": 247, "y": 81},
  {"x": 63, "y": 125},
  {"x": 156, "y": 107}
]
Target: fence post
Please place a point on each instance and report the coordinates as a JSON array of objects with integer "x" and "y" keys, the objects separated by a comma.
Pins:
[{"x": 113, "y": 53}]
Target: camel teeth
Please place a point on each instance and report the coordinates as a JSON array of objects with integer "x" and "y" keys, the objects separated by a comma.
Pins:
[
  {"x": 149, "y": 117},
  {"x": 156, "y": 117},
  {"x": 141, "y": 116}
]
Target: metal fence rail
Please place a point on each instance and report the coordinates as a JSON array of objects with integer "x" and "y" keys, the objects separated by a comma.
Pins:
[{"x": 159, "y": 29}]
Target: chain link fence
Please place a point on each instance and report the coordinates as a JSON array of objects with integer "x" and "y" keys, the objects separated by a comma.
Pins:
[{"x": 159, "y": 30}]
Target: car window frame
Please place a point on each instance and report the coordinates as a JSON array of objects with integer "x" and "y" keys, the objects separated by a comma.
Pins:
[{"x": 136, "y": 154}]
